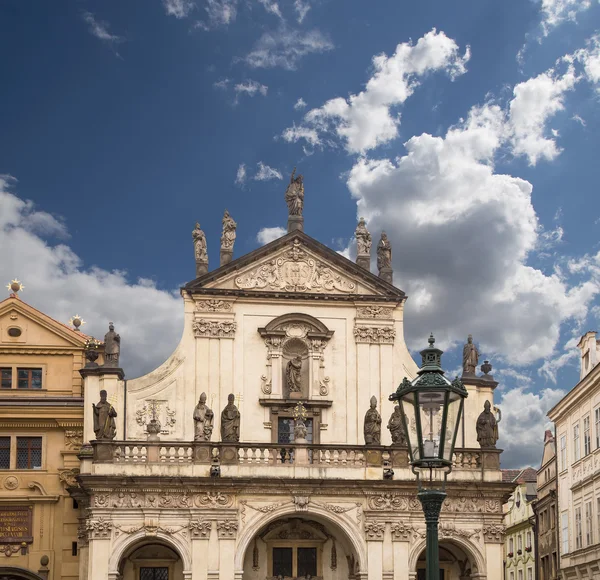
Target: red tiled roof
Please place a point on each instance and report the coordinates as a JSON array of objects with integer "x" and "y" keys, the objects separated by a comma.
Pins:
[{"x": 527, "y": 475}]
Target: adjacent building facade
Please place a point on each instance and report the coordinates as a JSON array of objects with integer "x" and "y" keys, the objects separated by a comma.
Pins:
[
  {"x": 519, "y": 544},
  {"x": 546, "y": 513},
  {"x": 577, "y": 427},
  {"x": 41, "y": 431},
  {"x": 249, "y": 454}
]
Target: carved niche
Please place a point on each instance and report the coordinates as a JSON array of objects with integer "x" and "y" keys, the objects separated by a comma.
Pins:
[{"x": 299, "y": 340}]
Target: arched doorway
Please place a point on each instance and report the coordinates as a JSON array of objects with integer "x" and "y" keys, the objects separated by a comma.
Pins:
[
  {"x": 299, "y": 546},
  {"x": 15, "y": 573},
  {"x": 151, "y": 560},
  {"x": 457, "y": 562}
]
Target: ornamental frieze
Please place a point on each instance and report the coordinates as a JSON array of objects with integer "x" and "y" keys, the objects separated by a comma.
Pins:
[
  {"x": 127, "y": 498},
  {"x": 405, "y": 532},
  {"x": 73, "y": 439},
  {"x": 214, "y": 500},
  {"x": 375, "y": 334},
  {"x": 393, "y": 501},
  {"x": 100, "y": 528},
  {"x": 374, "y": 312},
  {"x": 227, "y": 529},
  {"x": 204, "y": 328},
  {"x": 374, "y": 530},
  {"x": 494, "y": 533},
  {"x": 212, "y": 305},
  {"x": 295, "y": 271},
  {"x": 449, "y": 530}
]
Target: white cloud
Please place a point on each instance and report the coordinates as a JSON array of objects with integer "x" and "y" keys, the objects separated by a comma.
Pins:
[
  {"x": 590, "y": 58},
  {"x": 271, "y": 7},
  {"x": 300, "y": 104},
  {"x": 58, "y": 283},
  {"x": 285, "y": 48},
  {"x": 99, "y": 29},
  {"x": 250, "y": 88},
  {"x": 222, "y": 84},
  {"x": 240, "y": 177},
  {"x": 523, "y": 423},
  {"x": 218, "y": 13},
  {"x": 555, "y": 12},
  {"x": 266, "y": 235},
  {"x": 294, "y": 134},
  {"x": 266, "y": 173},
  {"x": 366, "y": 120},
  {"x": 301, "y": 7},
  {"x": 178, "y": 8},
  {"x": 579, "y": 120}
]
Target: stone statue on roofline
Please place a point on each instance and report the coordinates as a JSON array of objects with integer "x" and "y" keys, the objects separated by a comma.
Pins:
[
  {"x": 105, "y": 427},
  {"x": 112, "y": 347},
  {"x": 363, "y": 244},
  {"x": 203, "y": 420},
  {"x": 487, "y": 427},
  {"x": 470, "y": 357},
  {"x": 200, "y": 250},
  {"x": 230, "y": 421},
  {"x": 294, "y": 194},
  {"x": 372, "y": 427},
  {"x": 396, "y": 427},
  {"x": 229, "y": 234}
]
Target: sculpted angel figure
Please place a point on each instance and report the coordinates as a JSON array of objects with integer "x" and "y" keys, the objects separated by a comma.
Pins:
[
  {"x": 363, "y": 238},
  {"x": 203, "y": 420},
  {"x": 294, "y": 194},
  {"x": 229, "y": 233},
  {"x": 372, "y": 428},
  {"x": 199, "y": 244}
]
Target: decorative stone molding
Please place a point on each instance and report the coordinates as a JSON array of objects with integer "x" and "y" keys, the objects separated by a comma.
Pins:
[
  {"x": 449, "y": 530},
  {"x": 134, "y": 498},
  {"x": 402, "y": 532},
  {"x": 393, "y": 501},
  {"x": 374, "y": 530},
  {"x": 301, "y": 503},
  {"x": 336, "y": 509},
  {"x": 9, "y": 549},
  {"x": 374, "y": 312},
  {"x": 213, "y": 500},
  {"x": 98, "y": 529},
  {"x": 11, "y": 482},
  {"x": 374, "y": 334},
  {"x": 205, "y": 328},
  {"x": 264, "y": 509},
  {"x": 324, "y": 386},
  {"x": 227, "y": 529},
  {"x": 213, "y": 305},
  {"x": 68, "y": 477},
  {"x": 295, "y": 271},
  {"x": 73, "y": 439},
  {"x": 472, "y": 505},
  {"x": 494, "y": 533},
  {"x": 266, "y": 385},
  {"x": 200, "y": 529},
  {"x": 156, "y": 409}
]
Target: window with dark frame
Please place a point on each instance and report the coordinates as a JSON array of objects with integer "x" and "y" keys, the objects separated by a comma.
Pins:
[
  {"x": 6, "y": 378},
  {"x": 307, "y": 562},
  {"x": 154, "y": 573},
  {"x": 73, "y": 548},
  {"x": 4, "y": 452},
  {"x": 283, "y": 561},
  {"x": 29, "y": 452},
  {"x": 29, "y": 378}
]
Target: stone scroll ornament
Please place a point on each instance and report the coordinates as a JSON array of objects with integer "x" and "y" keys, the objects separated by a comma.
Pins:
[
  {"x": 372, "y": 427},
  {"x": 105, "y": 427},
  {"x": 112, "y": 347},
  {"x": 230, "y": 421},
  {"x": 203, "y": 420}
]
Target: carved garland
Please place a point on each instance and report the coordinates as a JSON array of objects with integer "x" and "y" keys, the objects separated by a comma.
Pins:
[
  {"x": 374, "y": 312},
  {"x": 204, "y": 328},
  {"x": 375, "y": 334},
  {"x": 213, "y": 305}
]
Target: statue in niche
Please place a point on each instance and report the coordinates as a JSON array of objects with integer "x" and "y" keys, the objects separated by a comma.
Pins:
[
  {"x": 229, "y": 234},
  {"x": 203, "y": 420},
  {"x": 230, "y": 421},
  {"x": 396, "y": 427},
  {"x": 384, "y": 252},
  {"x": 470, "y": 357},
  {"x": 487, "y": 428},
  {"x": 372, "y": 427},
  {"x": 294, "y": 194},
  {"x": 105, "y": 427},
  {"x": 112, "y": 347},
  {"x": 293, "y": 375},
  {"x": 363, "y": 238},
  {"x": 199, "y": 244}
]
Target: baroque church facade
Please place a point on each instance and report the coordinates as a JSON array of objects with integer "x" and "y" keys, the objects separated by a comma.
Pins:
[{"x": 259, "y": 449}]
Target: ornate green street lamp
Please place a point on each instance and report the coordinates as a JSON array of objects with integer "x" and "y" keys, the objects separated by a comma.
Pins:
[{"x": 431, "y": 409}]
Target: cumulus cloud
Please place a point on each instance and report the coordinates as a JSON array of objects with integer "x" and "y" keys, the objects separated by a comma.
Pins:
[
  {"x": 266, "y": 235},
  {"x": 523, "y": 424},
  {"x": 266, "y": 173},
  {"x": 365, "y": 120},
  {"x": 300, "y": 104},
  {"x": 240, "y": 177},
  {"x": 285, "y": 48},
  {"x": 590, "y": 58},
  {"x": 178, "y": 8},
  {"x": 59, "y": 283},
  {"x": 218, "y": 13},
  {"x": 555, "y": 12},
  {"x": 99, "y": 29}
]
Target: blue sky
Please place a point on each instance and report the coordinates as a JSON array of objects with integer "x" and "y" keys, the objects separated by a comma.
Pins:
[{"x": 469, "y": 131}]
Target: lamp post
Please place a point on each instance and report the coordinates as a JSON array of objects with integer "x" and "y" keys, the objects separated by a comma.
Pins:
[{"x": 431, "y": 407}]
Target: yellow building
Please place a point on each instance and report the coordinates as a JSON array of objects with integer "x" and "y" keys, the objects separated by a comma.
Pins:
[{"x": 41, "y": 422}]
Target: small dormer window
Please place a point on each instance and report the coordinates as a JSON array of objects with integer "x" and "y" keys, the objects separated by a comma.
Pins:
[
  {"x": 14, "y": 332},
  {"x": 518, "y": 499}
]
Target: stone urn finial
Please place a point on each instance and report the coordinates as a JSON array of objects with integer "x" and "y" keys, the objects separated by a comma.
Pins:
[{"x": 486, "y": 367}]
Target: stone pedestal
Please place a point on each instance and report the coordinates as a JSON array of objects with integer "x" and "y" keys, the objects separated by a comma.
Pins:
[
  {"x": 201, "y": 268},
  {"x": 364, "y": 261},
  {"x": 387, "y": 274},
  {"x": 226, "y": 256},
  {"x": 296, "y": 395},
  {"x": 301, "y": 453},
  {"x": 295, "y": 222}
]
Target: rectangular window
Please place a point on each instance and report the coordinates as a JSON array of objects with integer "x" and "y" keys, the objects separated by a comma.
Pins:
[
  {"x": 563, "y": 452},
  {"x": 597, "y": 422},
  {"x": 6, "y": 376},
  {"x": 520, "y": 574},
  {"x": 29, "y": 378},
  {"x": 529, "y": 573},
  {"x": 29, "y": 452},
  {"x": 73, "y": 548},
  {"x": 578, "y": 529},
  {"x": 154, "y": 573},
  {"x": 512, "y": 576},
  {"x": 587, "y": 440},
  {"x": 528, "y": 544},
  {"x": 519, "y": 543},
  {"x": 307, "y": 562},
  {"x": 282, "y": 562},
  {"x": 4, "y": 452},
  {"x": 589, "y": 533},
  {"x": 285, "y": 430},
  {"x": 511, "y": 546},
  {"x": 576, "y": 448},
  {"x": 564, "y": 532}
]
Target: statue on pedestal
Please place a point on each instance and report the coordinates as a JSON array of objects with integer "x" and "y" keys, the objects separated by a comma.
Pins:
[
  {"x": 112, "y": 347},
  {"x": 203, "y": 420},
  {"x": 105, "y": 427},
  {"x": 294, "y": 195},
  {"x": 470, "y": 357},
  {"x": 230, "y": 421},
  {"x": 487, "y": 428},
  {"x": 199, "y": 244},
  {"x": 372, "y": 428},
  {"x": 363, "y": 238},
  {"x": 384, "y": 252},
  {"x": 396, "y": 427},
  {"x": 293, "y": 375},
  {"x": 229, "y": 234}
]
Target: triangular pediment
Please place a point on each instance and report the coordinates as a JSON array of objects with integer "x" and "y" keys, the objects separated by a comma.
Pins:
[
  {"x": 296, "y": 264},
  {"x": 34, "y": 328}
]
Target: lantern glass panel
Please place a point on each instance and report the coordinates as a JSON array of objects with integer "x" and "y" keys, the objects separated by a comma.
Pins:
[
  {"x": 431, "y": 413},
  {"x": 408, "y": 410},
  {"x": 453, "y": 412}
]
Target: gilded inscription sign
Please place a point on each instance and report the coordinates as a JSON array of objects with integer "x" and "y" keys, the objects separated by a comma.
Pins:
[{"x": 15, "y": 524}]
